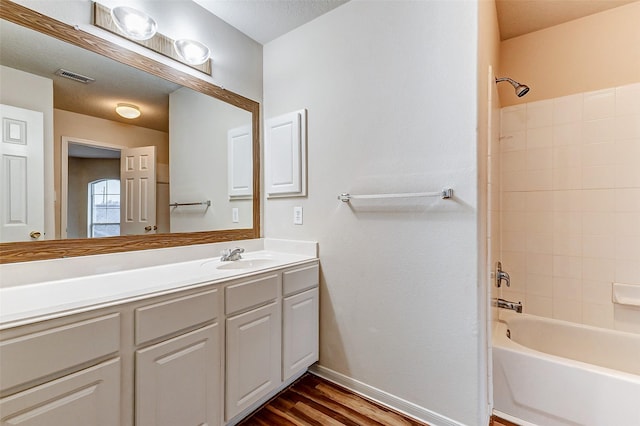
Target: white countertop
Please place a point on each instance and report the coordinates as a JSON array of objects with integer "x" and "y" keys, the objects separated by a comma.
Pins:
[{"x": 39, "y": 301}]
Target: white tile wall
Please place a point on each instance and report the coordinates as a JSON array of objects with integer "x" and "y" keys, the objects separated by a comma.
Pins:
[{"x": 570, "y": 203}]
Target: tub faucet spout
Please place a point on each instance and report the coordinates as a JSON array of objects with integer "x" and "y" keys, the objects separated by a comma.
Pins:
[{"x": 505, "y": 304}]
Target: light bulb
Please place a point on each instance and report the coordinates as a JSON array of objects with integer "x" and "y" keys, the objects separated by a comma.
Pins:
[
  {"x": 191, "y": 51},
  {"x": 135, "y": 24}
]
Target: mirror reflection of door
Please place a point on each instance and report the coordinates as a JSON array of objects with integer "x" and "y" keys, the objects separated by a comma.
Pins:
[
  {"x": 108, "y": 190},
  {"x": 22, "y": 175},
  {"x": 138, "y": 191}
]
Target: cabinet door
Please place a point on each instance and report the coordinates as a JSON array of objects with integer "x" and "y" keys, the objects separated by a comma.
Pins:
[
  {"x": 253, "y": 357},
  {"x": 299, "y": 332},
  {"x": 90, "y": 397},
  {"x": 178, "y": 381}
]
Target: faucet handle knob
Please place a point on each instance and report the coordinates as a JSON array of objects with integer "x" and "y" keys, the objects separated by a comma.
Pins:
[{"x": 501, "y": 275}]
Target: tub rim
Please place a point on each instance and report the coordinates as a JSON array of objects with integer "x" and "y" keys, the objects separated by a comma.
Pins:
[{"x": 499, "y": 340}]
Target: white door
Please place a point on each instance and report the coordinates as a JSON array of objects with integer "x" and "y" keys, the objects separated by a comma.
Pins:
[
  {"x": 178, "y": 381},
  {"x": 300, "y": 330},
  {"x": 21, "y": 175},
  {"x": 138, "y": 191},
  {"x": 253, "y": 357}
]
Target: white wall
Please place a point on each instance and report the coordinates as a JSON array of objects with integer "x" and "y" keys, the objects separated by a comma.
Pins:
[
  {"x": 198, "y": 127},
  {"x": 24, "y": 90},
  {"x": 390, "y": 89},
  {"x": 237, "y": 59}
]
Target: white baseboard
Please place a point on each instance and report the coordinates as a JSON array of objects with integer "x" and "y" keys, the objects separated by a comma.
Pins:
[
  {"x": 512, "y": 419},
  {"x": 405, "y": 407}
]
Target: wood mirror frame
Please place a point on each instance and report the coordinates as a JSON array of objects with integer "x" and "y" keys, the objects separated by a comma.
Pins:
[{"x": 53, "y": 249}]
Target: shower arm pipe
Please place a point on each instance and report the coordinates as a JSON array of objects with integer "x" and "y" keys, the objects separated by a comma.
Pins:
[{"x": 510, "y": 80}]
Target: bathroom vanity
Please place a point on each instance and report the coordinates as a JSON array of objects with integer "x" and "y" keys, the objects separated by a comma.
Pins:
[{"x": 201, "y": 342}]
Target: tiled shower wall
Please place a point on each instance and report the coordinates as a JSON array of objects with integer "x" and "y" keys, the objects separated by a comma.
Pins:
[{"x": 570, "y": 204}]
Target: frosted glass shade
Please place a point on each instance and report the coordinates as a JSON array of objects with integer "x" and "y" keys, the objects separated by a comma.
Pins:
[
  {"x": 129, "y": 111},
  {"x": 191, "y": 51},
  {"x": 135, "y": 24}
]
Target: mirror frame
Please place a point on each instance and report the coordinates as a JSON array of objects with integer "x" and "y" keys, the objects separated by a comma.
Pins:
[{"x": 54, "y": 249}]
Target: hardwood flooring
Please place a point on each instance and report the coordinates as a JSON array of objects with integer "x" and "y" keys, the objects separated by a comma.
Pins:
[
  {"x": 497, "y": 421},
  {"x": 312, "y": 401}
]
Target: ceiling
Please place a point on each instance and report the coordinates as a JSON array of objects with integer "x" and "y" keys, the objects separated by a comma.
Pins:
[
  {"x": 266, "y": 20},
  {"x": 518, "y": 17}
]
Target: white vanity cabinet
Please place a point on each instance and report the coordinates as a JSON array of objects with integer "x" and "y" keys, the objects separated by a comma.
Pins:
[
  {"x": 300, "y": 320},
  {"x": 200, "y": 356},
  {"x": 58, "y": 374},
  {"x": 177, "y": 381},
  {"x": 253, "y": 329},
  {"x": 272, "y": 334}
]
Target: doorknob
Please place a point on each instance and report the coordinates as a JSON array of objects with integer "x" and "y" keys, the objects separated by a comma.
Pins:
[
  {"x": 149, "y": 228},
  {"x": 35, "y": 234}
]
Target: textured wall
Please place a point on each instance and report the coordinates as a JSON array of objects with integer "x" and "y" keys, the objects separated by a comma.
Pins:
[{"x": 390, "y": 89}]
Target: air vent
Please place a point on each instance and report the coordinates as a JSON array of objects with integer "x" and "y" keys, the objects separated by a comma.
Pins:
[{"x": 74, "y": 76}]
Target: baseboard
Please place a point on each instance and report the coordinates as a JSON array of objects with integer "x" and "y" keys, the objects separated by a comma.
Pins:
[
  {"x": 405, "y": 407},
  {"x": 510, "y": 420}
]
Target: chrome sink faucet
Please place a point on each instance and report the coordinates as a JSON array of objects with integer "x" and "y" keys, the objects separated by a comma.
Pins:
[
  {"x": 505, "y": 304},
  {"x": 229, "y": 254}
]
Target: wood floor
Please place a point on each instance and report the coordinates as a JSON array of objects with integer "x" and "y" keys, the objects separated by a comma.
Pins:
[{"x": 314, "y": 401}]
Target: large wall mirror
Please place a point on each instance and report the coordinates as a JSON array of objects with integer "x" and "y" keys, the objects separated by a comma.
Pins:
[{"x": 202, "y": 140}]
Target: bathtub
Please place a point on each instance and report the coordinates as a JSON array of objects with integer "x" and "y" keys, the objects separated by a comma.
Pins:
[{"x": 553, "y": 373}]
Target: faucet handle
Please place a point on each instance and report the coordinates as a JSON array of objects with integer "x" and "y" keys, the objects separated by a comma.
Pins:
[{"x": 502, "y": 275}]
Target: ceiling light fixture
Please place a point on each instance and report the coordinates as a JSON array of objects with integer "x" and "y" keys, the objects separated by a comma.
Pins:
[
  {"x": 135, "y": 24},
  {"x": 191, "y": 51},
  {"x": 129, "y": 111}
]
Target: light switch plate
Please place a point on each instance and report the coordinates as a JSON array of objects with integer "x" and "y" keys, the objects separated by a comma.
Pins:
[
  {"x": 235, "y": 216},
  {"x": 297, "y": 215}
]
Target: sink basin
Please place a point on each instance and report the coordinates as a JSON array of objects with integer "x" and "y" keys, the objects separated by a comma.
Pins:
[{"x": 245, "y": 264}]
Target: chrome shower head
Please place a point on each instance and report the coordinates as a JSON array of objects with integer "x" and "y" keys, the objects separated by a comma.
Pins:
[{"x": 521, "y": 89}]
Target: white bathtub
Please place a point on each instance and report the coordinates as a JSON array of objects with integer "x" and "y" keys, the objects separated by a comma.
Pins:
[{"x": 553, "y": 373}]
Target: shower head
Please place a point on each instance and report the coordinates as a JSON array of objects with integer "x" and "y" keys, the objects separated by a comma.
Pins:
[{"x": 521, "y": 89}]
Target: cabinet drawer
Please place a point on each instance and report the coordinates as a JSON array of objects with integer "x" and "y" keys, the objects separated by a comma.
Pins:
[
  {"x": 252, "y": 293},
  {"x": 168, "y": 317},
  {"x": 90, "y": 397},
  {"x": 33, "y": 356},
  {"x": 300, "y": 279}
]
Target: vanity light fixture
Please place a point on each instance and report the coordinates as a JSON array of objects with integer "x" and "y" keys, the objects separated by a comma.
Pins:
[
  {"x": 129, "y": 111},
  {"x": 139, "y": 28},
  {"x": 135, "y": 24},
  {"x": 191, "y": 51}
]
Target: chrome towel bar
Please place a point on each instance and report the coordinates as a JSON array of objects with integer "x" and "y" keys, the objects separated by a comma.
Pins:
[
  {"x": 444, "y": 194},
  {"x": 201, "y": 203}
]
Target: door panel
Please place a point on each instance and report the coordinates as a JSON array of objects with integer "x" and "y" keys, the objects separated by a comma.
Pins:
[
  {"x": 253, "y": 357},
  {"x": 138, "y": 191},
  {"x": 300, "y": 332},
  {"x": 21, "y": 175},
  {"x": 178, "y": 381}
]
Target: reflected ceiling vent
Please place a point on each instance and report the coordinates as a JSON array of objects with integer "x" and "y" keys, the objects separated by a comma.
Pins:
[{"x": 74, "y": 76}]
